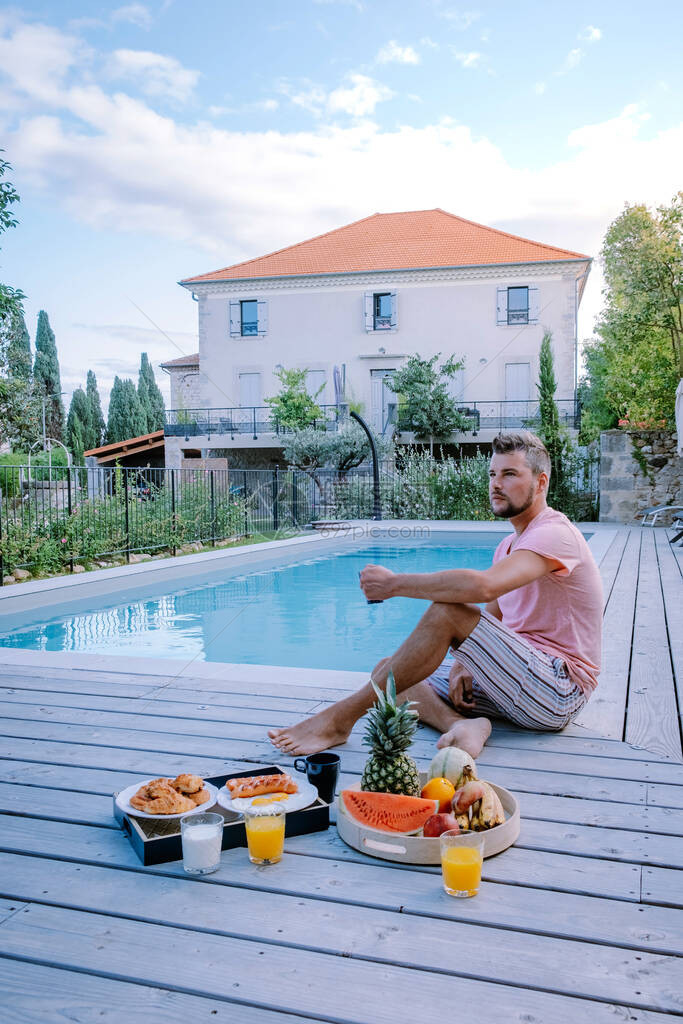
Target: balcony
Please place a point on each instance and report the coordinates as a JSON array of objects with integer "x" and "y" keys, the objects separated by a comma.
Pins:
[
  {"x": 508, "y": 415},
  {"x": 241, "y": 421}
]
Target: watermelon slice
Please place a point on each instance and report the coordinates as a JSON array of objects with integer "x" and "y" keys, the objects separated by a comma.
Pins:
[{"x": 388, "y": 812}]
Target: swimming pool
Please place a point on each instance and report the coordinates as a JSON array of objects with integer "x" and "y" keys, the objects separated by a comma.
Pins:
[{"x": 309, "y": 613}]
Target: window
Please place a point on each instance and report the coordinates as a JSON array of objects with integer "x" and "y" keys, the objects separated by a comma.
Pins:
[
  {"x": 518, "y": 305},
  {"x": 249, "y": 317},
  {"x": 380, "y": 310}
]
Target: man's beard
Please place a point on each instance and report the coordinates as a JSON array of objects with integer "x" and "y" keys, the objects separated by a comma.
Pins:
[{"x": 511, "y": 510}]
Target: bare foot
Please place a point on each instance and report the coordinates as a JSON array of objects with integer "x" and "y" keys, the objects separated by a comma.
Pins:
[
  {"x": 320, "y": 732},
  {"x": 470, "y": 734}
]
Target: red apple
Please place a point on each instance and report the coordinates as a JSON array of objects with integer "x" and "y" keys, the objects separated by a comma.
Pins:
[{"x": 439, "y": 823}]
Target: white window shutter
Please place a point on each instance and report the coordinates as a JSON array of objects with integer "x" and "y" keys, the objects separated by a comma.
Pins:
[
  {"x": 502, "y": 306},
  {"x": 369, "y": 311},
  {"x": 235, "y": 319},
  {"x": 534, "y": 305},
  {"x": 394, "y": 310},
  {"x": 262, "y": 312}
]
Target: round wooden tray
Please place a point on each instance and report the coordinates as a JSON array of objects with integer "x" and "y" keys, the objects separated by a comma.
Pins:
[{"x": 417, "y": 849}]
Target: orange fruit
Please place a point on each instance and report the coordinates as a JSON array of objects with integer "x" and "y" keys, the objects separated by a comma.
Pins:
[{"x": 439, "y": 789}]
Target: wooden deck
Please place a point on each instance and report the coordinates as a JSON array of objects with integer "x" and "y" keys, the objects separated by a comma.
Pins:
[{"x": 579, "y": 921}]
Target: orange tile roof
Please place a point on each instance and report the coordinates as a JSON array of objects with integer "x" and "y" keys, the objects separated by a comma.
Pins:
[
  {"x": 395, "y": 241},
  {"x": 191, "y": 360}
]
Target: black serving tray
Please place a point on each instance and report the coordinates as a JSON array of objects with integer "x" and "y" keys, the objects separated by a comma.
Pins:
[{"x": 156, "y": 841}]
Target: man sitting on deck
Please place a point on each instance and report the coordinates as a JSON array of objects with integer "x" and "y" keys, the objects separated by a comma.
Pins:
[{"x": 531, "y": 657}]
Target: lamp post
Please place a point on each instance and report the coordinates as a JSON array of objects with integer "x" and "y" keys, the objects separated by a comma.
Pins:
[{"x": 377, "y": 511}]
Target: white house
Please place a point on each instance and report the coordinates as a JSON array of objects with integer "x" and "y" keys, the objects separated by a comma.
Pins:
[{"x": 352, "y": 305}]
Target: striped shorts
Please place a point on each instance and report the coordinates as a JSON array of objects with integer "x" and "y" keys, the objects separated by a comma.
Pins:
[{"x": 512, "y": 679}]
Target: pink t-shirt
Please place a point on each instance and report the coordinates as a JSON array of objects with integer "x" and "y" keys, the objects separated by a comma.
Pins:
[{"x": 560, "y": 613}]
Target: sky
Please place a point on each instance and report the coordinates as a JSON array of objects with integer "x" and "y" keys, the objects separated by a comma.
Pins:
[{"x": 154, "y": 141}]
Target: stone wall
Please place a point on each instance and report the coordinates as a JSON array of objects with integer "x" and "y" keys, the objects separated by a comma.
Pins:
[{"x": 630, "y": 482}]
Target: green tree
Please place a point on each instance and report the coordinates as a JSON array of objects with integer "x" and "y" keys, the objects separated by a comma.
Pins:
[
  {"x": 425, "y": 407},
  {"x": 96, "y": 424},
  {"x": 19, "y": 408},
  {"x": 151, "y": 398},
  {"x": 350, "y": 447},
  {"x": 47, "y": 378},
  {"x": 636, "y": 361},
  {"x": 10, "y": 298},
  {"x": 597, "y": 408},
  {"x": 126, "y": 415},
  {"x": 78, "y": 432},
  {"x": 554, "y": 436},
  {"x": 19, "y": 347},
  {"x": 293, "y": 408}
]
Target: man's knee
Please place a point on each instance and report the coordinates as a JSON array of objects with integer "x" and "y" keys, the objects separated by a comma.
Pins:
[{"x": 459, "y": 619}]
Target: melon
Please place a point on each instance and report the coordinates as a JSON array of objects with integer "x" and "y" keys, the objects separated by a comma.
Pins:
[
  {"x": 449, "y": 763},
  {"x": 388, "y": 812}
]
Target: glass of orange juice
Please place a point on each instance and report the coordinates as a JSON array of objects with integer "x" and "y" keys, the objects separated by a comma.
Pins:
[
  {"x": 462, "y": 856},
  {"x": 265, "y": 826}
]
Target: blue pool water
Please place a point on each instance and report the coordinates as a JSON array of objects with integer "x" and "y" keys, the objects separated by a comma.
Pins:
[{"x": 309, "y": 614}]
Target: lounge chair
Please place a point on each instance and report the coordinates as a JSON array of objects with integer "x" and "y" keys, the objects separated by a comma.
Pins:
[
  {"x": 656, "y": 511},
  {"x": 678, "y": 525}
]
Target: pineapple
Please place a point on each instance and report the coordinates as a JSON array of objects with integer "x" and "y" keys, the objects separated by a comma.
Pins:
[{"x": 389, "y": 732}]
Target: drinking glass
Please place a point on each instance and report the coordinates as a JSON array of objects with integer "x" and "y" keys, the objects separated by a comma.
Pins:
[
  {"x": 202, "y": 837},
  {"x": 462, "y": 856},
  {"x": 265, "y": 827}
]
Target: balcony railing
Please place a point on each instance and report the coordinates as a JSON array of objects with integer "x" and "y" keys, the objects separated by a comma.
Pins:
[
  {"x": 508, "y": 415},
  {"x": 253, "y": 420}
]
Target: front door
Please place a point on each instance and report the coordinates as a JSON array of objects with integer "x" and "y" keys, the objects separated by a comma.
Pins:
[
  {"x": 384, "y": 401},
  {"x": 250, "y": 399}
]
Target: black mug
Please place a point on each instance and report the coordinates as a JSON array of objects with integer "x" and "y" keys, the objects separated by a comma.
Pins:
[{"x": 323, "y": 771}]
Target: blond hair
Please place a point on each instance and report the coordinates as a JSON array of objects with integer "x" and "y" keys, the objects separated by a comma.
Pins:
[{"x": 535, "y": 452}]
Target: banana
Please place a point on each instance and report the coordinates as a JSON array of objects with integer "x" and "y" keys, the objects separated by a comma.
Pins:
[
  {"x": 466, "y": 796},
  {"x": 491, "y": 810},
  {"x": 463, "y": 821},
  {"x": 468, "y": 774},
  {"x": 475, "y": 822}
]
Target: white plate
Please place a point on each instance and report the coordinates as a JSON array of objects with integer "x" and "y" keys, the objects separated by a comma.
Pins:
[
  {"x": 306, "y": 795},
  {"x": 123, "y": 801}
]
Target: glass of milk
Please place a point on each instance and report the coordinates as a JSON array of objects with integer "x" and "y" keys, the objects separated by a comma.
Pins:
[{"x": 202, "y": 835}]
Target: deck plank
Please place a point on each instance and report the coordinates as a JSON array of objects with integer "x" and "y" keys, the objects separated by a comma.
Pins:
[
  {"x": 37, "y": 994},
  {"x": 652, "y": 716},
  {"x": 605, "y": 712},
  {"x": 400, "y": 939},
  {"x": 672, "y": 591},
  {"x": 299, "y": 981}
]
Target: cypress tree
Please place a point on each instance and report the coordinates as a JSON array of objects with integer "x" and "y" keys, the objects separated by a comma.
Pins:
[
  {"x": 126, "y": 416},
  {"x": 19, "y": 347},
  {"x": 150, "y": 396},
  {"x": 551, "y": 433},
  {"x": 96, "y": 424},
  {"x": 77, "y": 425},
  {"x": 47, "y": 379}
]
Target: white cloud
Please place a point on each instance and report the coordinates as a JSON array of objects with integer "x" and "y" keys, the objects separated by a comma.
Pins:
[
  {"x": 468, "y": 60},
  {"x": 119, "y": 165},
  {"x": 590, "y": 34},
  {"x": 154, "y": 73},
  {"x": 393, "y": 53},
  {"x": 458, "y": 19},
  {"x": 539, "y": 88},
  {"x": 359, "y": 98},
  {"x": 134, "y": 14},
  {"x": 571, "y": 61}
]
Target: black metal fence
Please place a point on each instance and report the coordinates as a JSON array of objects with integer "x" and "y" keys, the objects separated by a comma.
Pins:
[{"x": 55, "y": 518}]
